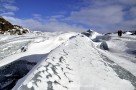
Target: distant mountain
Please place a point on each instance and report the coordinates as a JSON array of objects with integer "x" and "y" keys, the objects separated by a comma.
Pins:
[{"x": 8, "y": 28}]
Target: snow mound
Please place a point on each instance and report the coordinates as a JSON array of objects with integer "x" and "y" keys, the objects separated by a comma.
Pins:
[
  {"x": 129, "y": 33},
  {"x": 74, "y": 65}
]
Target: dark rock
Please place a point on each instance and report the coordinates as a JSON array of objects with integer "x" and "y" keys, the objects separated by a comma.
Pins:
[
  {"x": 88, "y": 33},
  {"x": 7, "y": 27},
  {"x": 104, "y": 45}
]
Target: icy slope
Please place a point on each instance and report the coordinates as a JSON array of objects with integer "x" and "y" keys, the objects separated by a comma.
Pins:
[
  {"x": 36, "y": 44},
  {"x": 74, "y": 65}
]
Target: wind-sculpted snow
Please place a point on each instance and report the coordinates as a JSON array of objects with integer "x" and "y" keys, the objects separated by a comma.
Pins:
[
  {"x": 74, "y": 65},
  {"x": 11, "y": 48},
  {"x": 67, "y": 61},
  {"x": 17, "y": 53}
]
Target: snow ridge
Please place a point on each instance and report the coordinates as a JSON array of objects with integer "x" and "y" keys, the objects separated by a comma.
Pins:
[{"x": 74, "y": 65}]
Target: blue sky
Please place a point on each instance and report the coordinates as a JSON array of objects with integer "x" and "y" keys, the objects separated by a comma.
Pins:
[
  {"x": 43, "y": 7},
  {"x": 71, "y": 15}
]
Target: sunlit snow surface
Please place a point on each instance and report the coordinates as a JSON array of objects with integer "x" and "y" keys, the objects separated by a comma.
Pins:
[{"x": 67, "y": 61}]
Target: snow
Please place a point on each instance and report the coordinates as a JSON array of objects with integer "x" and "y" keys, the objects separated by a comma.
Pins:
[
  {"x": 35, "y": 45},
  {"x": 128, "y": 33},
  {"x": 72, "y": 61},
  {"x": 92, "y": 34},
  {"x": 74, "y": 65},
  {"x": 118, "y": 51},
  {"x": 95, "y": 34}
]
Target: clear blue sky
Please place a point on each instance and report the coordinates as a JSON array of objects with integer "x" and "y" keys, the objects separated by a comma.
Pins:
[
  {"x": 71, "y": 15},
  {"x": 44, "y": 7}
]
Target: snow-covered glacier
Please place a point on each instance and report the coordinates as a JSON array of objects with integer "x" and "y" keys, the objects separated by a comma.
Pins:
[{"x": 67, "y": 61}]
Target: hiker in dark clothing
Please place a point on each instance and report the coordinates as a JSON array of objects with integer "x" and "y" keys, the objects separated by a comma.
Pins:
[{"x": 119, "y": 33}]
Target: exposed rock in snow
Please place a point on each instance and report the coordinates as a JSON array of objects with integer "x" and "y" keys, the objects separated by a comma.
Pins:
[
  {"x": 104, "y": 45},
  {"x": 9, "y": 29},
  {"x": 101, "y": 38},
  {"x": 6, "y": 25},
  {"x": 23, "y": 49},
  {"x": 92, "y": 34},
  {"x": 133, "y": 32},
  {"x": 95, "y": 36}
]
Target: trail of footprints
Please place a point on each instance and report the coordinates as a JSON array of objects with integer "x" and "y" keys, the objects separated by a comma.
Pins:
[{"x": 50, "y": 71}]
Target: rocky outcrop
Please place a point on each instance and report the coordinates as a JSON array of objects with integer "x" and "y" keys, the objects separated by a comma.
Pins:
[
  {"x": 6, "y": 25},
  {"x": 104, "y": 45},
  {"x": 7, "y": 28},
  {"x": 18, "y": 30},
  {"x": 88, "y": 33}
]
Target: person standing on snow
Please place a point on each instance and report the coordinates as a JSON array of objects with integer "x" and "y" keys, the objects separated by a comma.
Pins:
[{"x": 119, "y": 33}]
